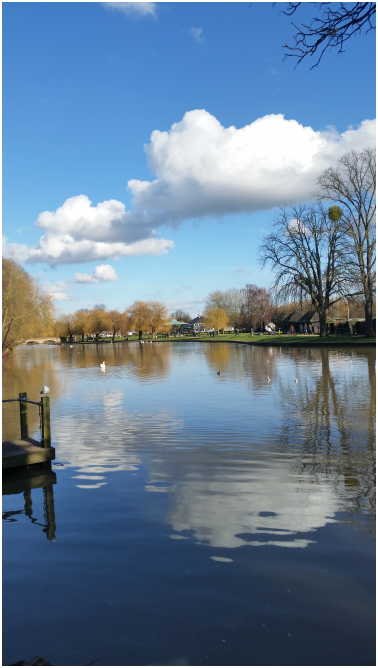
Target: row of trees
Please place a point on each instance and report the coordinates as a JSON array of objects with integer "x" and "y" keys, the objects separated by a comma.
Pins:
[
  {"x": 327, "y": 253},
  {"x": 141, "y": 316}
]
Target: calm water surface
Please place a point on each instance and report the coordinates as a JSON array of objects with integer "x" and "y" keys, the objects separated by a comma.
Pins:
[{"x": 200, "y": 519}]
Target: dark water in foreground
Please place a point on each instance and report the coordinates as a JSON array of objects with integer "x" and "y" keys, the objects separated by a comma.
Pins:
[{"x": 200, "y": 519}]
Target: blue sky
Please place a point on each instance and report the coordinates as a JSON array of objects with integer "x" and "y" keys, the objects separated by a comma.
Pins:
[{"x": 84, "y": 87}]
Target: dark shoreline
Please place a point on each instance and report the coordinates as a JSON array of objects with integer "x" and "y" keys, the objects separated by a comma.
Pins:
[
  {"x": 311, "y": 343},
  {"x": 279, "y": 344}
]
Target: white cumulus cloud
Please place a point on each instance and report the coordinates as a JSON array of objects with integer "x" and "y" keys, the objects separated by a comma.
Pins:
[
  {"x": 104, "y": 272},
  {"x": 79, "y": 232},
  {"x": 133, "y": 8},
  {"x": 201, "y": 169}
]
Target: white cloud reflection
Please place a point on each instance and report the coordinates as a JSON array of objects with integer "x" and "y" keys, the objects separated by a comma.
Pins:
[{"x": 271, "y": 508}]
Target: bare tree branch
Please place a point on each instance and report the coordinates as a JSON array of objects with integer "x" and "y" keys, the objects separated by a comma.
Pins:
[{"x": 338, "y": 23}]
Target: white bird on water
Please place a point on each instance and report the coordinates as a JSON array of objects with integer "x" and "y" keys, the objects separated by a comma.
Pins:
[
  {"x": 102, "y": 366},
  {"x": 296, "y": 380},
  {"x": 45, "y": 390},
  {"x": 268, "y": 379},
  {"x": 71, "y": 346}
]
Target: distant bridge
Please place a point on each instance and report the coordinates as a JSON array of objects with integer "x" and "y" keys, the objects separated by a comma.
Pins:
[{"x": 46, "y": 339}]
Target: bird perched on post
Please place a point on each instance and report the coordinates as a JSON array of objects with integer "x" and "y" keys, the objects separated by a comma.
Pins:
[{"x": 45, "y": 390}]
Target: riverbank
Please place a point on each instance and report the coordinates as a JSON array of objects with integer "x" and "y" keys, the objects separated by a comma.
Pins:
[{"x": 276, "y": 340}]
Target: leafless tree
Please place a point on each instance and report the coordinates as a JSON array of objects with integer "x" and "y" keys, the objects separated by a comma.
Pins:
[
  {"x": 352, "y": 183},
  {"x": 305, "y": 250},
  {"x": 181, "y": 316},
  {"x": 230, "y": 301},
  {"x": 257, "y": 305},
  {"x": 336, "y": 25}
]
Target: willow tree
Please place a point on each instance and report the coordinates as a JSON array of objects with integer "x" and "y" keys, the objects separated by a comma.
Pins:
[
  {"x": 139, "y": 316},
  {"x": 117, "y": 322},
  {"x": 26, "y": 311},
  {"x": 98, "y": 321},
  {"x": 80, "y": 323},
  {"x": 157, "y": 316},
  {"x": 306, "y": 252},
  {"x": 216, "y": 318},
  {"x": 352, "y": 183},
  {"x": 65, "y": 325}
]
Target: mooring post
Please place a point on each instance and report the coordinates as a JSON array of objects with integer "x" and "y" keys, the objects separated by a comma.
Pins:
[
  {"x": 28, "y": 502},
  {"x": 49, "y": 512},
  {"x": 23, "y": 415},
  {"x": 46, "y": 437}
]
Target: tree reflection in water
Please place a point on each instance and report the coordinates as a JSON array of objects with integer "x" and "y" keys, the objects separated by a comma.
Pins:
[{"x": 331, "y": 424}]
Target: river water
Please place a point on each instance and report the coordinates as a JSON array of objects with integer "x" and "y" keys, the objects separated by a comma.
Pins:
[{"x": 198, "y": 518}]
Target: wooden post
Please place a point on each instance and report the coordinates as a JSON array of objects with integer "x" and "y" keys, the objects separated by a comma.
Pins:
[
  {"x": 49, "y": 512},
  {"x": 46, "y": 437},
  {"x": 23, "y": 415},
  {"x": 28, "y": 502}
]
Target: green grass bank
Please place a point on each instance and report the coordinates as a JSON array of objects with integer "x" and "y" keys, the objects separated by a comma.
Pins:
[{"x": 296, "y": 340}]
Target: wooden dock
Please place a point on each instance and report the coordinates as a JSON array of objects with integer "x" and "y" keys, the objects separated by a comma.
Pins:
[{"x": 26, "y": 451}]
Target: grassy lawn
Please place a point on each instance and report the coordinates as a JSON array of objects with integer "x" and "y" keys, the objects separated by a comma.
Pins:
[
  {"x": 265, "y": 339},
  {"x": 279, "y": 340}
]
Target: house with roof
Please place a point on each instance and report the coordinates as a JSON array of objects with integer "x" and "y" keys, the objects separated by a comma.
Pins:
[
  {"x": 301, "y": 321},
  {"x": 195, "y": 325}
]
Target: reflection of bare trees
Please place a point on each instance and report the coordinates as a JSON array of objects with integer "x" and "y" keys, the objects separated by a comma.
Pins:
[{"x": 330, "y": 421}]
